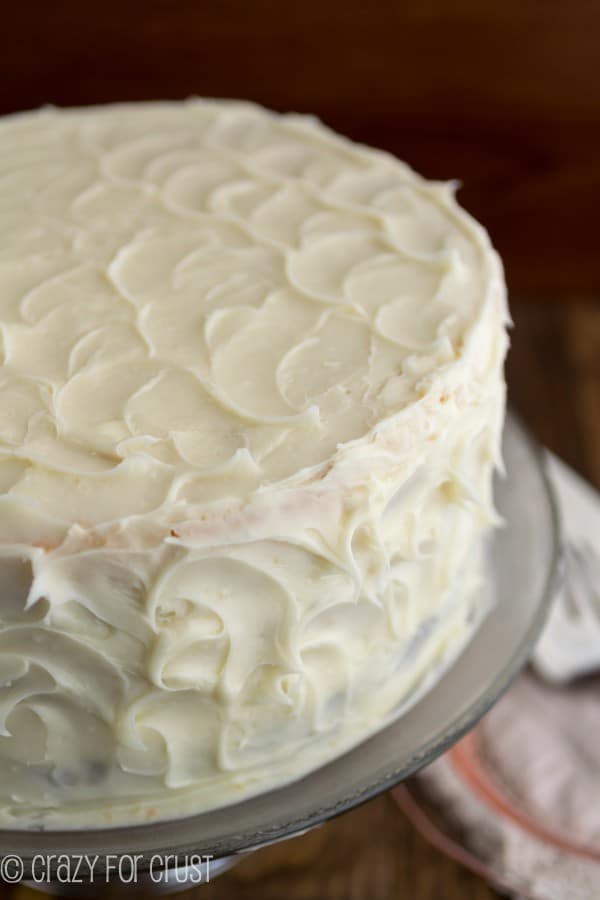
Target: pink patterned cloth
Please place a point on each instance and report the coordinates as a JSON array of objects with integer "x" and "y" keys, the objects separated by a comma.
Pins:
[{"x": 519, "y": 798}]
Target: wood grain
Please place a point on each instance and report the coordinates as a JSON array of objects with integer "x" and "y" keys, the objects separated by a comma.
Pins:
[
  {"x": 370, "y": 853},
  {"x": 553, "y": 373},
  {"x": 504, "y": 95}
]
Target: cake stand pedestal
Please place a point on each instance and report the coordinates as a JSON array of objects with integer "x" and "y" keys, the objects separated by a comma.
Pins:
[{"x": 525, "y": 568}]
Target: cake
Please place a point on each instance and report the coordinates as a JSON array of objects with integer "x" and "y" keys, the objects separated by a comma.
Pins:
[{"x": 251, "y": 403}]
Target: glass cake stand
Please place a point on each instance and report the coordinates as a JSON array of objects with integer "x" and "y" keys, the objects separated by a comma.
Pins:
[{"x": 525, "y": 568}]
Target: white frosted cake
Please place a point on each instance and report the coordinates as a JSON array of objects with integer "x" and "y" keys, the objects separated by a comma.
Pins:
[{"x": 251, "y": 396}]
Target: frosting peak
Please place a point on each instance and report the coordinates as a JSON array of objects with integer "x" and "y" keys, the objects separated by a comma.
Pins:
[
  {"x": 251, "y": 396},
  {"x": 195, "y": 280}
]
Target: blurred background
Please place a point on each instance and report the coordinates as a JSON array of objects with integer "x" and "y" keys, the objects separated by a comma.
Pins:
[{"x": 503, "y": 95}]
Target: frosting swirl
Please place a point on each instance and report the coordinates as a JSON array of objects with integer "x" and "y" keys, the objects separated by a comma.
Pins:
[{"x": 250, "y": 402}]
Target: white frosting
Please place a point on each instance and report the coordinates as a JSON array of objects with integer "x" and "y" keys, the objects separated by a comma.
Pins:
[{"x": 251, "y": 395}]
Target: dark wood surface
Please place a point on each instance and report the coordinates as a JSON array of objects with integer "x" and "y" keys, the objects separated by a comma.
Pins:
[
  {"x": 373, "y": 852},
  {"x": 502, "y": 94}
]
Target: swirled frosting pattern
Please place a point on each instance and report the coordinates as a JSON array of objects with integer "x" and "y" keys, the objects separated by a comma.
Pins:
[{"x": 251, "y": 395}]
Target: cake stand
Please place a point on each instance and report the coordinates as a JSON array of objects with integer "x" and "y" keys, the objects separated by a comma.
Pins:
[{"x": 525, "y": 566}]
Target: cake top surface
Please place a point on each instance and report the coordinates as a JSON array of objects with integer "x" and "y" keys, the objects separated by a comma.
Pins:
[{"x": 200, "y": 299}]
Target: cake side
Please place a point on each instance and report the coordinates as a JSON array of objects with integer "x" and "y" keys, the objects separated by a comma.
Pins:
[{"x": 253, "y": 396}]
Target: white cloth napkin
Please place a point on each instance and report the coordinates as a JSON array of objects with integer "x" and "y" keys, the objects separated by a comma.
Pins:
[{"x": 570, "y": 643}]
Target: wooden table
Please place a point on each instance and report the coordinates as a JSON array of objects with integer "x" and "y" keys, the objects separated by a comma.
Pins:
[{"x": 373, "y": 852}]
